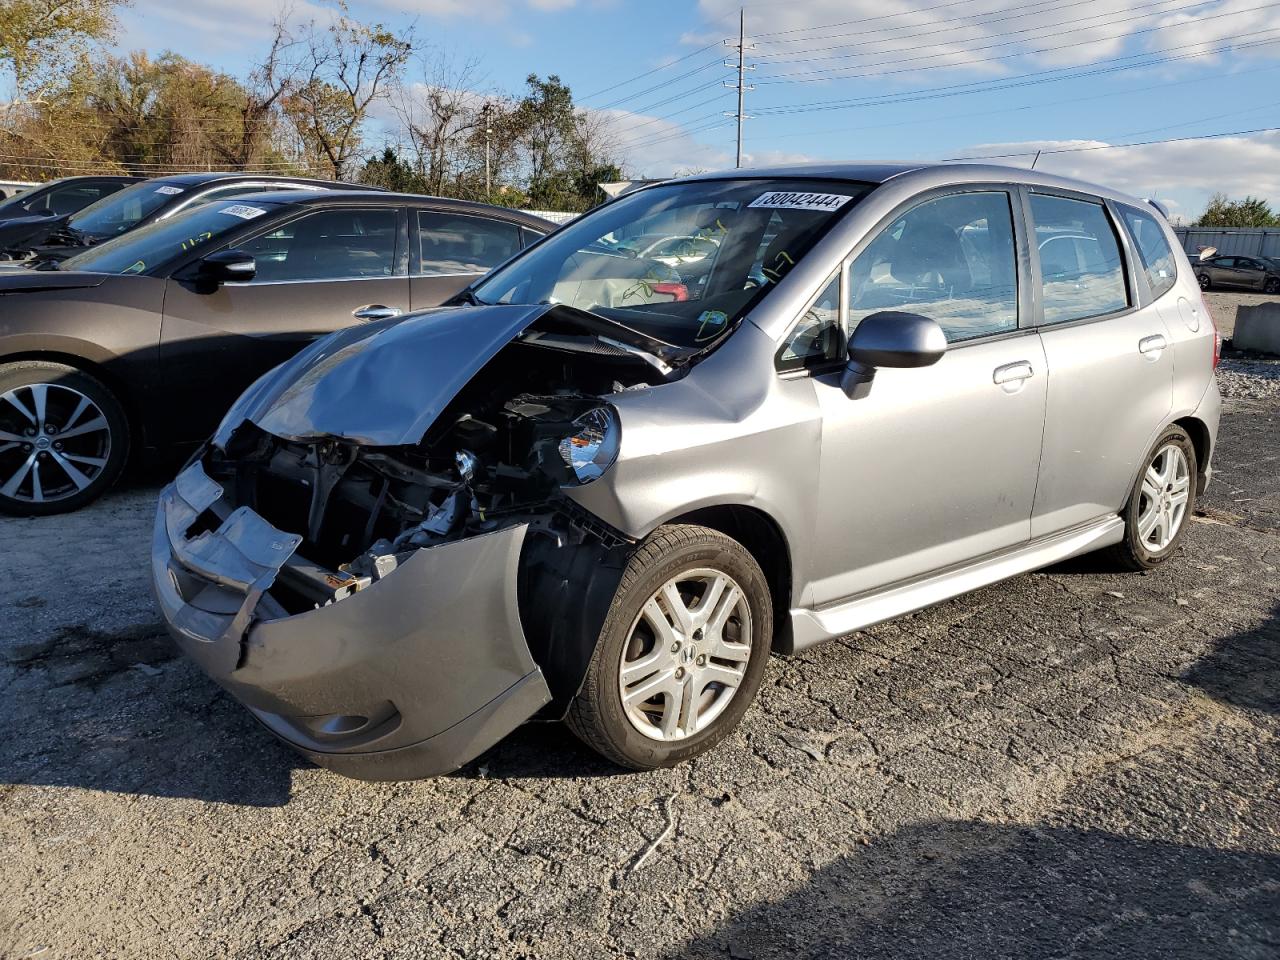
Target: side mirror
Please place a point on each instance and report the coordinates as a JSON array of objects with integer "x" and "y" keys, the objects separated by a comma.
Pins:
[
  {"x": 1207, "y": 252},
  {"x": 228, "y": 266},
  {"x": 892, "y": 339}
]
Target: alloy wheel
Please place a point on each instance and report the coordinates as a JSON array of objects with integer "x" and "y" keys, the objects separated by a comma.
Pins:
[
  {"x": 686, "y": 655},
  {"x": 54, "y": 442},
  {"x": 1165, "y": 492}
]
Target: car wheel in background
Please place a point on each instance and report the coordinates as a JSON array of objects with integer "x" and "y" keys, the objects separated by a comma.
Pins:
[
  {"x": 64, "y": 438},
  {"x": 1204, "y": 281},
  {"x": 1273, "y": 286},
  {"x": 1160, "y": 504},
  {"x": 682, "y": 651}
]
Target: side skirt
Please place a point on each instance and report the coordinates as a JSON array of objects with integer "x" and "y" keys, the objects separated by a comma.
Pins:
[{"x": 845, "y": 616}]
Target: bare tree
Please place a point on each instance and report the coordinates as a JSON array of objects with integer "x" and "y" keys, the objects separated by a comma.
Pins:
[
  {"x": 440, "y": 114},
  {"x": 345, "y": 68}
]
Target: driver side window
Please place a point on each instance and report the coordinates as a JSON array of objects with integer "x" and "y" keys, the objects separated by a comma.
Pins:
[{"x": 951, "y": 259}]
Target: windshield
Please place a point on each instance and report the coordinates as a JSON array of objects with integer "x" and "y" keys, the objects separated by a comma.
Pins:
[
  {"x": 157, "y": 243},
  {"x": 730, "y": 240},
  {"x": 123, "y": 210},
  {"x": 18, "y": 201}
]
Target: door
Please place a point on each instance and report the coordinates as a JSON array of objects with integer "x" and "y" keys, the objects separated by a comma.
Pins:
[
  {"x": 327, "y": 269},
  {"x": 450, "y": 250},
  {"x": 1110, "y": 368},
  {"x": 935, "y": 466},
  {"x": 1253, "y": 274}
]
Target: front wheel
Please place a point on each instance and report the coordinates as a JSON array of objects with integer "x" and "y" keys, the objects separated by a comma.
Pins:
[
  {"x": 1160, "y": 504},
  {"x": 64, "y": 438},
  {"x": 1203, "y": 280},
  {"x": 682, "y": 651}
]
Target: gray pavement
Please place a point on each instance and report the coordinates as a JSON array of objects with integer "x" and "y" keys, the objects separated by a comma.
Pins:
[{"x": 1074, "y": 763}]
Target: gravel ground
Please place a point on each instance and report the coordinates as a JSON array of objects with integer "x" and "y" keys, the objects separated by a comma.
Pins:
[
  {"x": 1076, "y": 763},
  {"x": 1223, "y": 306}
]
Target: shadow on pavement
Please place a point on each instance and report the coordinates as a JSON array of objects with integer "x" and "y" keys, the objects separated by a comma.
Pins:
[
  {"x": 1244, "y": 669},
  {"x": 971, "y": 890}
]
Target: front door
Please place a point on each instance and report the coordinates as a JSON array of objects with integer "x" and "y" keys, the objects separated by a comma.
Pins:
[
  {"x": 328, "y": 269},
  {"x": 936, "y": 466},
  {"x": 1110, "y": 370}
]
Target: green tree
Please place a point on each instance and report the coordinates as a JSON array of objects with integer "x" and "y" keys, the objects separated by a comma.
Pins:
[
  {"x": 42, "y": 40},
  {"x": 390, "y": 172},
  {"x": 1249, "y": 212}
]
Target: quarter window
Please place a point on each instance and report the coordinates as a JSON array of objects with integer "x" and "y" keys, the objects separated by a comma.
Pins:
[
  {"x": 1153, "y": 248},
  {"x": 327, "y": 245},
  {"x": 950, "y": 259},
  {"x": 1081, "y": 272},
  {"x": 816, "y": 338},
  {"x": 454, "y": 244}
]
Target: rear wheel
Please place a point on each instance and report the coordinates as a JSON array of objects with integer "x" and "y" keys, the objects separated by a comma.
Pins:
[
  {"x": 682, "y": 651},
  {"x": 64, "y": 438},
  {"x": 1273, "y": 285},
  {"x": 1160, "y": 503}
]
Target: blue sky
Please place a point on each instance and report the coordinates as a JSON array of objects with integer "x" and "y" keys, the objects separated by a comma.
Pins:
[{"x": 946, "y": 78}]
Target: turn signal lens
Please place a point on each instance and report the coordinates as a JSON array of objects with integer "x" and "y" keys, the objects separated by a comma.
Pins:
[{"x": 593, "y": 446}]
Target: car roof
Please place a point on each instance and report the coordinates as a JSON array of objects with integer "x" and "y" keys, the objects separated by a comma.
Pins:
[
  {"x": 354, "y": 196},
  {"x": 926, "y": 175},
  {"x": 189, "y": 180}
]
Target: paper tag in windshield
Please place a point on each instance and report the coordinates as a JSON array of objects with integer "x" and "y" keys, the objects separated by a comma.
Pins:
[
  {"x": 795, "y": 200},
  {"x": 243, "y": 211},
  {"x": 169, "y": 191}
]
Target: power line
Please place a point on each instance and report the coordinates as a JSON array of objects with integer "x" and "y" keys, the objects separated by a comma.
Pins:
[
  {"x": 826, "y": 75},
  {"x": 1116, "y": 146},
  {"x": 649, "y": 73},
  {"x": 1034, "y": 78}
]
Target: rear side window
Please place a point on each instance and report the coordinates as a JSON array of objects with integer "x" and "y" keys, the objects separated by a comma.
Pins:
[
  {"x": 1153, "y": 248},
  {"x": 454, "y": 244},
  {"x": 1081, "y": 271}
]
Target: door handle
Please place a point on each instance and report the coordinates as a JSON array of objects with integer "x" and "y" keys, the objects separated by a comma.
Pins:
[
  {"x": 1152, "y": 346},
  {"x": 1013, "y": 372},
  {"x": 376, "y": 311}
]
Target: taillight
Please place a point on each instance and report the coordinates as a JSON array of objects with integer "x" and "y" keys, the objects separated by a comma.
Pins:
[
  {"x": 1217, "y": 337},
  {"x": 676, "y": 290}
]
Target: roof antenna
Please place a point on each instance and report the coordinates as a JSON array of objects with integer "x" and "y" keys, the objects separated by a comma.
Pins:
[{"x": 1036, "y": 160}]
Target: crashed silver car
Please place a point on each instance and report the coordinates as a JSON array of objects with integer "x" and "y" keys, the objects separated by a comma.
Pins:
[{"x": 597, "y": 489}]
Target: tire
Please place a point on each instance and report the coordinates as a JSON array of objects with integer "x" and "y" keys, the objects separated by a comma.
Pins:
[
  {"x": 40, "y": 472},
  {"x": 1137, "y": 551},
  {"x": 640, "y": 736},
  {"x": 1203, "y": 280},
  {"x": 1273, "y": 286}
]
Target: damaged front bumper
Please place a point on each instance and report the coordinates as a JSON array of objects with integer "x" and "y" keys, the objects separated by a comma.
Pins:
[{"x": 410, "y": 677}]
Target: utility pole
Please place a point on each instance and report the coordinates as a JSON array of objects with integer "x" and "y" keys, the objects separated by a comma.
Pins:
[
  {"x": 741, "y": 86},
  {"x": 488, "y": 136}
]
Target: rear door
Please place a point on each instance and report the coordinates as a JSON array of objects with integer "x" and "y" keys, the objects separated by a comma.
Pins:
[
  {"x": 322, "y": 270},
  {"x": 450, "y": 250},
  {"x": 1110, "y": 362}
]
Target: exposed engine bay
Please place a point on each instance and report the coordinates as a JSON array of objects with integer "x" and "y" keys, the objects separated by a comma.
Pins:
[{"x": 530, "y": 422}]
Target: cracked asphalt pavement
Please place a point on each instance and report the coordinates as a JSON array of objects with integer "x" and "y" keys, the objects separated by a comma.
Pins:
[{"x": 1075, "y": 763}]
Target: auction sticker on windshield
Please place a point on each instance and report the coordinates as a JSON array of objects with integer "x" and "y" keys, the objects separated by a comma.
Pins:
[
  {"x": 792, "y": 200},
  {"x": 243, "y": 211},
  {"x": 169, "y": 191}
]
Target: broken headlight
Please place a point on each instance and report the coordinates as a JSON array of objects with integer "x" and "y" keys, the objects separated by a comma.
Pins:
[{"x": 593, "y": 446}]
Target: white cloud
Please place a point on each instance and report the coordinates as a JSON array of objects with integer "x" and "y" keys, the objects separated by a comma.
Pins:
[{"x": 1184, "y": 173}]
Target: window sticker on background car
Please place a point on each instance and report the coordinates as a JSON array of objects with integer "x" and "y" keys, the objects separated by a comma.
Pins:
[
  {"x": 169, "y": 191},
  {"x": 789, "y": 200},
  {"x": 243, "y": 211}
]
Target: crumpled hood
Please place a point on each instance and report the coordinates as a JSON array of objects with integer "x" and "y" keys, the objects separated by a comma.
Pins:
[
  {"x": 16, "y": 278},
  {"x": 380, "y": 384}
]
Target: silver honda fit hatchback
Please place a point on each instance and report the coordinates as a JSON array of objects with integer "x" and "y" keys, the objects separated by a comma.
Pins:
[{"x": 603, "y": 488}]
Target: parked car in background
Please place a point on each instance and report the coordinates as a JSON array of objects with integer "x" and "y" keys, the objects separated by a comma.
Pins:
[
  {"x": 36, "y": 213},
  {"x": 554, "y": 501},
  {"x": 144, "y": 203},
  {"x": 1247, "y": 273},
  {"x": 143, "y": 341},
  {"x": 11, "y": 188}
]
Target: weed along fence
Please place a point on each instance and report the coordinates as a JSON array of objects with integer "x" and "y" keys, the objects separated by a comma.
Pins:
[{"x": 1238, "y": 241}]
